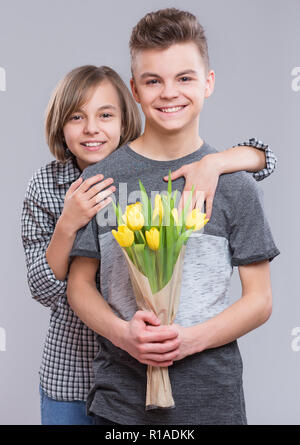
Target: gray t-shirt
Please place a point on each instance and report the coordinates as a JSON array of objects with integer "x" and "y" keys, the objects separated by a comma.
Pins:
[{"x": 207, "y": 386}]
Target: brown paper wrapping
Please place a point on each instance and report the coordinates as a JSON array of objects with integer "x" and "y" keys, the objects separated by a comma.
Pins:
[{"x": 164, "y": 304}]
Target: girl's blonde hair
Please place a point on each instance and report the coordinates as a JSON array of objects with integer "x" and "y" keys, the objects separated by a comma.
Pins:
[{"x": 72, "y": 92}]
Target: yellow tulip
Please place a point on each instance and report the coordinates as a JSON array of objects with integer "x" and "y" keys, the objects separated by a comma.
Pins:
[
  {"x": 158, "y": 209},
  {"x": 129, "y": 208},
  {"x": 152, "y": 237},
  {"x": 175, "y": 215},
  {"x": 134, "y": 218},
  {"x": 124, "y": 236},
  {"x": 137, "y": 204},
  {"x": 196, "y": 220}
]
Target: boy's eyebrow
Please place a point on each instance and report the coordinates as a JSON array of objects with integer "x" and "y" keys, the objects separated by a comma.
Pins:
[
  {"x": 142, "y": 76},
  {"x": 186, "y": 72},
  {"x": 148, "y": 74}
]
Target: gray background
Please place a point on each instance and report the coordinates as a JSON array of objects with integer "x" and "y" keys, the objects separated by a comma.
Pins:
[{"x": 254, "y": 46}]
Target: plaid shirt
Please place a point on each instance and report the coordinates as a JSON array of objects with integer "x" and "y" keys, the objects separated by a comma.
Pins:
[{"x": 66, "y": 371}]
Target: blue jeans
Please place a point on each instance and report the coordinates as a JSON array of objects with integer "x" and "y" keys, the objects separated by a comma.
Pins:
[{"x": 55, "y": 412}]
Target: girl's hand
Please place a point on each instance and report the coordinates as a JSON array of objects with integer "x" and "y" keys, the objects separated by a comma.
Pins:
[
  {"x": 83, "y": 200},
  {"x": 204, "y": 174}
]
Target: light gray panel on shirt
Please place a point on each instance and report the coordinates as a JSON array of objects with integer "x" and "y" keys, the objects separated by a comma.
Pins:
[{"x": 206, "y": 276}]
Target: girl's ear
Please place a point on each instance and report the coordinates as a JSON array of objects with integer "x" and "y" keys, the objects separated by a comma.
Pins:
[{"x": 134, "y": 90}]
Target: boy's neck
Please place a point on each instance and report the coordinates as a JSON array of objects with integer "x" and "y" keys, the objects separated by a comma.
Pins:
[{"x": 162, "y": 146}]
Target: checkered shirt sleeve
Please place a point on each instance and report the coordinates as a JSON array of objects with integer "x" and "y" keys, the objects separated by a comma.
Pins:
[
  {"x": 38, "y": 223},
  {"x": 271, "y": 159},
  {"x": 66, "y": 371}
]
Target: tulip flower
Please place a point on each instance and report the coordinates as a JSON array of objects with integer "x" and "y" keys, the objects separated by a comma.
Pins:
[
  {"x": 129, "y": 207},
  {"x": 134, "y": 217},
  {"x": 175, "y": 215},
  {"x": 124, "y": 236},
  {"x": 158, "y": 209},
  {"x": 196, "y": 220},
  {"x": 152, "y": 237}
]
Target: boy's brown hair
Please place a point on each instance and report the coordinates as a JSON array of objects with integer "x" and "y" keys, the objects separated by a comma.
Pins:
[
  {"x": 72, "y": 92},
  {"x": 163, "y": 28}
]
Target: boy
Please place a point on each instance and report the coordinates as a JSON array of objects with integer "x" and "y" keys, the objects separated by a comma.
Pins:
[{"x": 170, "y": 79}]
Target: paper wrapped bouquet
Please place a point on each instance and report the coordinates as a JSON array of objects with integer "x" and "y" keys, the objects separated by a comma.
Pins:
[{"x": 153, "y": 241}]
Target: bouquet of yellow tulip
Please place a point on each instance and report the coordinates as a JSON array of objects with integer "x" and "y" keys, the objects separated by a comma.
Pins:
[{"x": 153, "y": 242}]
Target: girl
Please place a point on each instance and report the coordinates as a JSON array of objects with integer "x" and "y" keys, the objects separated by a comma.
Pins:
[{"x": 90, "y": 114}]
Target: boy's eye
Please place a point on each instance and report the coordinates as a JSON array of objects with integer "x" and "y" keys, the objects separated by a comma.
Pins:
[
  {"x": 185, "y": 78},
  {"x": 152, "y": 82}
]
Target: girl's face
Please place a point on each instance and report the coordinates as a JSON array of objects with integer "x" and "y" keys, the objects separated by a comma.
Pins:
[{"x": 93, "y": 132}]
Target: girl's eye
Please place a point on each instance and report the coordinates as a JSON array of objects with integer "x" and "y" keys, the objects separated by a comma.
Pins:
[
  {"x": 75, "y": 117},
  {"x": 106, "y": 115}
]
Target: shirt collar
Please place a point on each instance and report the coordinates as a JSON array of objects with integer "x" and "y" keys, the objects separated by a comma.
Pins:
[{"x": 67, "y": 172}]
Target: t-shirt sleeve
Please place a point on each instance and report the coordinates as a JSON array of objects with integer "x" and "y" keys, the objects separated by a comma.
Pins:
[
  {"x": 250, "y": 239},
  {"x": 86, "y": 241}
]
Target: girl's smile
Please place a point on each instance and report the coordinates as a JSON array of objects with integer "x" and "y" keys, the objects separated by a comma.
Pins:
[
  {"x": 93, "y": 145},
  {"x": 93, "y": 132}
]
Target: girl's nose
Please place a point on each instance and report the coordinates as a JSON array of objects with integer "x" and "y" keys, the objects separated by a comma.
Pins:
[{"x": 92, "y": 126}]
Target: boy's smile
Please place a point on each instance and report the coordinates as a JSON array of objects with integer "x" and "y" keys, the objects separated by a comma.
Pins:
[{"x": 171, "y": 85}]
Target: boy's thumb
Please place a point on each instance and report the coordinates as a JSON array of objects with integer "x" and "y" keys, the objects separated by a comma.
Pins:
[{"x": 151, "y": 318}]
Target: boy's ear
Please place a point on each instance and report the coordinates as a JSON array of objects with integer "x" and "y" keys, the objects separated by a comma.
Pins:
[
  {"x": 134, "y": 90},
  {"x": 210, "y": 83}
]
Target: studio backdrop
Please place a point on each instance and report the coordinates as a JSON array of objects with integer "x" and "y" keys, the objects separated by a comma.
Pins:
[{"x": 254, "y": 50}]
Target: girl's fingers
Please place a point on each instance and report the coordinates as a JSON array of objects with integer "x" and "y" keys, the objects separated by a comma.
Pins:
[
  {"x": 184, "y": 199},
  {"x": 95, "y": 189},
  {"x": 74, "y": 186},
  {"x": 89, "y": 182},
  {"x": 103, "y": 195},
  {"x": 197, "y": 201},
  {"x": 101, "y": 205}
]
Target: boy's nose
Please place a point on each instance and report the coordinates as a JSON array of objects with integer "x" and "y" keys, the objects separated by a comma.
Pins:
[{"x": 169, "y": 91}]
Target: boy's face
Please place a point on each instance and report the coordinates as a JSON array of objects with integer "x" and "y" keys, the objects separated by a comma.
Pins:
[{"x": 171, "y": 85}]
